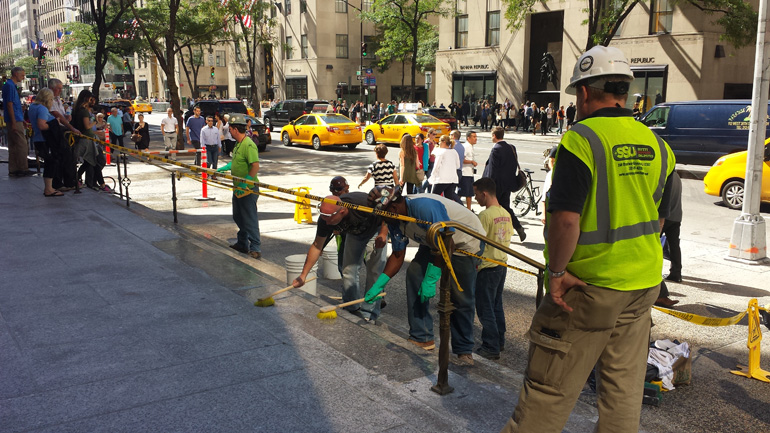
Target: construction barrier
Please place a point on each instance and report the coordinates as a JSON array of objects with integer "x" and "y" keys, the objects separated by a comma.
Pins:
[
  {"x": 167, "y": 152},
  {"x": 753, "y": 371},
  {"x": 204, "y": 177},
  {"x": 302, "y": 212},
  {"x": 107, "y": 145}
]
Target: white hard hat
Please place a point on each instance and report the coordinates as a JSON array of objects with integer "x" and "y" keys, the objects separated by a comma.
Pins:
[{"x": 597, "y": 62}]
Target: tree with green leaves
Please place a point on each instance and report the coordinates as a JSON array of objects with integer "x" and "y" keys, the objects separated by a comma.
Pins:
[
  {"x": 83, "y": 38},
  {"x": 102, "y": 20},
  {"x": 604, "y": 19},
  {"x": 170, "y": 26},
  {"x": 17, "y": 57},
  {"x": 404, "y": 29},
  {"x": 250, "y": 25}
]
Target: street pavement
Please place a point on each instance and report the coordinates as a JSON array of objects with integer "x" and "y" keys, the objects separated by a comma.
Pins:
[{"x": 116, "y": 319}]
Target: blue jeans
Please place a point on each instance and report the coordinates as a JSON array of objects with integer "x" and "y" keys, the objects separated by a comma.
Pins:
[
  {"x": 461, "y": 320},
  {"x": 212, "y": 156},
  {"x": 247, "y": 220},
  {"x": 489, "y": 307},
  {"x": 359, "y": 250}
]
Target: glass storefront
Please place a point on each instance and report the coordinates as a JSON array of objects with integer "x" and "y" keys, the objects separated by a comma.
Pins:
[
  {"x": 648, "y": 87},
  {"x": 296, "y": 87},
  {"x": 472, "y": 87}
]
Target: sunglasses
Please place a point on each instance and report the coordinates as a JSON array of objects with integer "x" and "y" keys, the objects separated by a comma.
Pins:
[{"x": 328, "y": 215}]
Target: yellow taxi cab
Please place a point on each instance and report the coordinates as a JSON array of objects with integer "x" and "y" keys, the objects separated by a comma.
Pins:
[
  {"x": 725, "y": 178},
  {"x": 141, "y": 106},
  {"x": 391, "y": 128},
  {"x": 322, "y": 129}
]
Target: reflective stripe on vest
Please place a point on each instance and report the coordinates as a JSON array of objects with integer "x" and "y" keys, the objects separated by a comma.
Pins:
[{"x": 604, "y": 234}]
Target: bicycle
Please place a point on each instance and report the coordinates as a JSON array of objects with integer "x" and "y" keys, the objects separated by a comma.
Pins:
[{"x": 527, "y": 197}]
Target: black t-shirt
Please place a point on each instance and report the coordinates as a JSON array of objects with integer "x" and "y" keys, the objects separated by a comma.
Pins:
[
  {"x": 77, "y": 121},
  {"x": 357, "y": 223}
]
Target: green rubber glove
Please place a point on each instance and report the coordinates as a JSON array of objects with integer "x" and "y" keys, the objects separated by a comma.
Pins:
[
  {"x": 428, "y": 286},
  {"x": 376, "y": 289},
  {"x": 224, "y": 167}
]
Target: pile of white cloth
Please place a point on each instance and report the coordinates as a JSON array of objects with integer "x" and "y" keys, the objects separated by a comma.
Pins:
[{"x": 663, "y": 355}]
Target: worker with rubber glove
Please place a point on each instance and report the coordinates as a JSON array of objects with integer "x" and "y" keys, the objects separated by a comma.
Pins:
[
  {"x": 245, "y": 164},
  {"x": 424, "y": 271}
]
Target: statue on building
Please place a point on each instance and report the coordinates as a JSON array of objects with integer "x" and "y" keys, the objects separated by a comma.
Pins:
[{"x": 548, "y": 72}]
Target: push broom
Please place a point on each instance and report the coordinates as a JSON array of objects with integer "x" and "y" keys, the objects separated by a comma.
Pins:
[
  {"x": 268, "y": 301},
  {"x": 329, "y": 312}
]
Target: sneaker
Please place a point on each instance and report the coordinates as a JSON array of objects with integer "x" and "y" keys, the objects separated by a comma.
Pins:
[
  {"x": 255, "y": 254},
  {"x": 674, "y": 277},
  {"x": 239, "y": 248},
  {"x": 465, "y": 359},
  {"x": 106, "y": 188},
  {"x": 485, "y": 353},
  {"x": 427, "y": 345}
]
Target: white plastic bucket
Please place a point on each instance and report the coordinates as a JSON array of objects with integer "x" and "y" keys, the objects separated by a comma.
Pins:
[
  {"x": 329, "y": 267},
  {"x": 294, "y": 264}
]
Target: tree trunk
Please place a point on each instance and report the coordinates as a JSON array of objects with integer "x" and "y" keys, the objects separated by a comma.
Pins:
[{"x": 414, "y": 63}]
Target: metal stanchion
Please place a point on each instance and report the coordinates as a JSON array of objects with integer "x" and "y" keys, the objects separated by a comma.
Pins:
[
  {"x": 173, "y": 194},
  {"x": 445, "y": 309}
]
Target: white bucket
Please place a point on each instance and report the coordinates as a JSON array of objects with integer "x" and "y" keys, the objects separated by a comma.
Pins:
[
  {"x": 294, "y": 264},
  {"x": 329, "y": 267}
]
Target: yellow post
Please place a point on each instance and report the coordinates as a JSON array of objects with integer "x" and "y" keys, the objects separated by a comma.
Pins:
[
  {"x": 755, "y": 337},
  {"x": 302, "y": 211}
]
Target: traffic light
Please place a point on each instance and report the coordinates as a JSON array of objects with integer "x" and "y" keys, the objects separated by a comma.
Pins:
[
  {"x": 43, "y": 51},
  {"x": 125, "y": 64},
  {"x": 212, "y": 72},
  {"x": 339, "y": 90},
  {"x": 363, "y": 49}
]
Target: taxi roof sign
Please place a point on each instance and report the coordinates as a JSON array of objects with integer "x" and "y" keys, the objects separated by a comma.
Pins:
[{"x": 319, "y": 108}]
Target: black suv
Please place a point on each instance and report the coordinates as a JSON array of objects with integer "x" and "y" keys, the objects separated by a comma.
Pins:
[
  {"x": 286, "y": 111},
  {"x": 209, "y": 107}
]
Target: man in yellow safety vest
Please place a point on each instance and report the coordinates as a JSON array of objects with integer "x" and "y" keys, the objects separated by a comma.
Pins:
[{"x": 603, "y": 255}]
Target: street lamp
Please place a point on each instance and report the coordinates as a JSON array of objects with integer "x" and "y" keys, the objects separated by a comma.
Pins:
[{"x": 363, "y": 51}]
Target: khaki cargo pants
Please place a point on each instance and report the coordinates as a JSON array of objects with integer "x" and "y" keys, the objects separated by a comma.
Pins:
[{"x": 607, "y": 328}]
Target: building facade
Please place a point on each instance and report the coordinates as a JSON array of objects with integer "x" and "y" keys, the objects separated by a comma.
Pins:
[
  {"x": 6, "y": 39},
  {"x": 674, "y": 50}
]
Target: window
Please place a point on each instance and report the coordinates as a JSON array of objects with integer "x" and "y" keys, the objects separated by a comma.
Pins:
[
  {"x": 461, "y": 32},
  {"x": 238, "y": 52},
  {"x": 302, "y": 6},
  {"x": 342, "y": 46},
  {"x": 661, "y": 14},
  {"x": 341, "y": 6},
  {"x": 368, "y": 5},
  {"x": 220, "y": 58},
  {"x": 493, "y": 28},
  {"x": 303, "y": 46},
  {"x": 288, "y": 7},
  {"x": 289, "y": 48},
  {"x": 197, "y": 58}
]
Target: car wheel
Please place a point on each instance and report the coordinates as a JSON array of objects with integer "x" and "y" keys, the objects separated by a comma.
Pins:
[
  {"x": 268, "y": 125},
  {"x": 732, "y": 194},
  {"x": 370, "y": 138},
  {"x": 286, "y": 139},
  {"x": 352, "y": 146},
  {"x": 316, "y": 143}
]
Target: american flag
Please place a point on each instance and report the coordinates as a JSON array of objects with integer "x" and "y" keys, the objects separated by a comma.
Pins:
[{"x": 59, "y": 36}]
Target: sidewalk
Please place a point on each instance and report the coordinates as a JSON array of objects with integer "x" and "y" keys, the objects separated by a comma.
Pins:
[{"x": 109, "y": 322}]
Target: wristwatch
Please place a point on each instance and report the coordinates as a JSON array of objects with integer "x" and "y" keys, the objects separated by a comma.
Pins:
[{"x": 553, "y": 274}]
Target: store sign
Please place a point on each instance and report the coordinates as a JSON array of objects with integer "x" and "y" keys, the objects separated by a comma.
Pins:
[
  {"x": 473, "y": 67},
  {"x": 642, "y": 60},
  {"x": 296, "y": 70}
]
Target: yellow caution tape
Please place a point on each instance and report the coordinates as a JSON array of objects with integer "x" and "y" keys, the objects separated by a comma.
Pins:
[
  {"x": 448, "y": 261},
  {"x": 703, "y": 320}
]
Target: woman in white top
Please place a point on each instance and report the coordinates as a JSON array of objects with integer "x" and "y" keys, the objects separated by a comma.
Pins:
[
  {"x": 228, "y": 144},
  {"x": 444, "y": 175}
]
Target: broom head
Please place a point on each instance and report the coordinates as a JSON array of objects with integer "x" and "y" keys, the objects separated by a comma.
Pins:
[
  {"x": 267, "y": 302},
  {"x": 327, "y": 314}
]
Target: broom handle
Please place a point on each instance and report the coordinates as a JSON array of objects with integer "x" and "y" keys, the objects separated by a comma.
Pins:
[
  {"x": 284, "y": 290},
  {"x": 347, "y": 304}
]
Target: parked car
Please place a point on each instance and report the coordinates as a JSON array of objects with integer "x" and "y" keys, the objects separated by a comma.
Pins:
[
  {"x": 700, "y": 132},
  {"x": 443, "y": 115},
  {"x": 321, "y": 129},
  {"x": 286, "y": 111},
  {"x": 260, "y": 135},
  {"x": 726, "y": 178},
  {"x": 391, "y": 128},
  {"x": 211, "y": 106}
]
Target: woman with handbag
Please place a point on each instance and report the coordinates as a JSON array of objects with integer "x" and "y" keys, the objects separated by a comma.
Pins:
[
  {"x": 408, "y": 165},
  {"x": 141, "y": 135}
]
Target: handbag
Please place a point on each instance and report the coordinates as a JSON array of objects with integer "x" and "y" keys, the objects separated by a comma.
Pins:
[
  {"x": 136, "y": 138},
  {"x": 520, "y": 179},
  {"x": 420, "y": 175}
]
